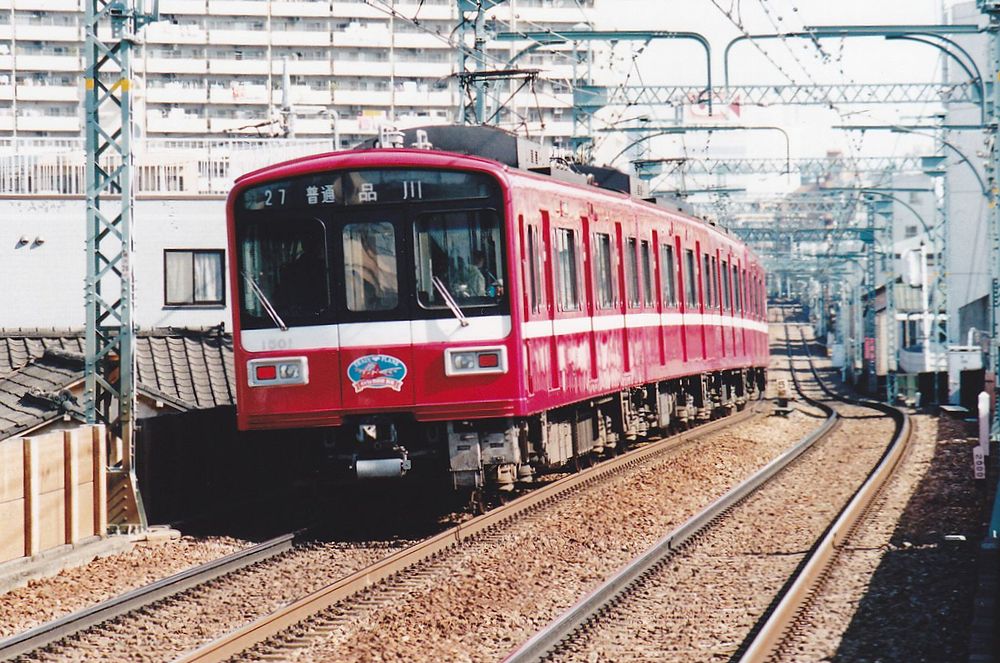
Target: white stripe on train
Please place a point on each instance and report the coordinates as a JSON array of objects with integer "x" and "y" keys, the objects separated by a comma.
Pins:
[{"x": 479, "y": 329}]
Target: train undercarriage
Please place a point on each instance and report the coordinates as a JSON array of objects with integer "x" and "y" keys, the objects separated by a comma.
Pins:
[{"x": 495, "y": 455}]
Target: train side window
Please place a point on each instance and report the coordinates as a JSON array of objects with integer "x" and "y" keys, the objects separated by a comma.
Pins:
[
  {"x": 569, "y": 296},
  {"x": 737, "y": 292},
  {"x": 715, "y": 282},
  {"x": 668, "y": 274},
  {"x": 603, "y": 272},
  {"x": 706, "y": 275},
  {"x": 534, "y": 285},
  {"x": 647, "y": 274},
  {"x": 631, "y": 273},
  {"x": 690, "y": 278},
  {"x": 726, "y": 288}
]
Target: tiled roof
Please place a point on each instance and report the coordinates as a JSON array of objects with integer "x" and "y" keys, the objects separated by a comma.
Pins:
[
  {"x": 37, "y": 392},
  {"x": 190, "y": 369}
]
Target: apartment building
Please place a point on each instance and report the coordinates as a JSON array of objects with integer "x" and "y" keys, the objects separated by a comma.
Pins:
[{"x": 223, "y": 68}]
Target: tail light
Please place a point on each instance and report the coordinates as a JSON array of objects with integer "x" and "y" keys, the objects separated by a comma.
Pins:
[{"x": 279, "y": 371}]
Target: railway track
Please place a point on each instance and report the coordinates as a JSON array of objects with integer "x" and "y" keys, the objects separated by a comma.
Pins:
[
  {"x": 91, "y": 629},
  {"x": 628, "y": 614},
  {"x": 54, "y": 631},
  {"x": 290, "y": 627}
]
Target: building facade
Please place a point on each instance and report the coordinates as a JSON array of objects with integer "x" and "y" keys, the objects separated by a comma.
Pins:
[{"x": 212, "y": 68}]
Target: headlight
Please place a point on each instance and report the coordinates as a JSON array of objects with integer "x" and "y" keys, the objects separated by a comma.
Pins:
[
  {"x": 274, "y": 372},
  {"x": 463, "y": 361},
  {"x": 475, "y": 361}
]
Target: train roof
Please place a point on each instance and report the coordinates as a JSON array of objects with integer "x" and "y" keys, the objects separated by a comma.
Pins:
[{"x": 493, "y": 145}]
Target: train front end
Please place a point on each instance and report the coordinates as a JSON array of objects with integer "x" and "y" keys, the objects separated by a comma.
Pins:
[{"x": 373, "y": 307}]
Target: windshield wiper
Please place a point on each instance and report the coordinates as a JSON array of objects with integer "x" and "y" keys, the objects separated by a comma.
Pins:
[
  {"x": 265, "y": 302},
  {"x": 450, "y": 301}
]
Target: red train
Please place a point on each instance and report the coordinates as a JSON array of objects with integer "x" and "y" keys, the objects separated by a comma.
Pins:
[{"x": 428, "y": 307}]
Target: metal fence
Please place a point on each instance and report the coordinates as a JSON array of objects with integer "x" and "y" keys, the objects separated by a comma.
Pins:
[{"x": 48, "y": 167}]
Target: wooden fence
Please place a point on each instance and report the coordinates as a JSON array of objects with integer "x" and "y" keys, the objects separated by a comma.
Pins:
[{"x": 53, "y": 490}]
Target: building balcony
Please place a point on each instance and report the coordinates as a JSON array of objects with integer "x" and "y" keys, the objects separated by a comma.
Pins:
[
  {"x": 43, "y": 33},
  {"x": 237, "y": 7},
  {"x": 183, "y": 7},
  {"x": 6, "y": 122},
  {"x": 175, "y": 94},
  {"x": 6, "y": 92},
  {"x": 363, "y": 98},
  {"x": 362, "y": 38},
  {"x": 420, "y": 40},
  {"x": 48, "y": 93},
  {"x": 168, "y": 33},
  {"x": 238, "y": 37},
  {"x": 361, "y": 68},
  {"x": 45, "y": 5},
  {"x": 239, "y": 67},
  {"x": 302, "y": 67},
  {"x": 176, "y": 66},
  {"x": 235, "y": 125},
  {"x": 45, "y": 63},
  {"x": 429, "y": 12},
  {"x": 300, "y": 38},
  {"x": 424, "y": 99},
  {"x": 424, "y": 69},
  {"x": 239, "y": 94},
  {"x": 310, "y": 97},
  {"x": 175, "y": 122},
  {"x": 48, "y": 123},
  {"x": 356, "y": 10},
  {"x": 304, "y": 9}
]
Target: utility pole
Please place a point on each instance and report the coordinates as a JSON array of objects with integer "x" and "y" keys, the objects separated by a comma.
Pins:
[
  {"x": 465, "y": 8},
  {"x": 992, "y": 9},
  {"x": 109, "y": 369}
]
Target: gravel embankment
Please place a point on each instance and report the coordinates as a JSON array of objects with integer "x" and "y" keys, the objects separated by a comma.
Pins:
[
  {"x": 899, "y": 590},
  {"x": 181, "y": 623},
  {"x": 74, "y": 589},
  {"x": 704, "y": 603},
  {"x": 479, "y": 601}
]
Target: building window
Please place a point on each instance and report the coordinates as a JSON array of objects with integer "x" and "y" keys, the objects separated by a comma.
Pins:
[
  {"x": 569, "y": 299},
  {"x": 603, "y": 273},
  {"x": 194, "y": 277}
]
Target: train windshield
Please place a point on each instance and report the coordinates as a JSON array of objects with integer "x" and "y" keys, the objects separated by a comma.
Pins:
[
  {"x": 284, "y": 271},
  {"x": 458, "y": 253},
  {"x": 370, "y": 245}
]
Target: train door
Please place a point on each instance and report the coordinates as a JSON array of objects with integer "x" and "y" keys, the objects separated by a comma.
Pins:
[
  {"x": 550, "y": 291},
  {"x": 658, "y": 294},
  {"x": 623, "y": 307},
  {"x": 588, "y": 293}
]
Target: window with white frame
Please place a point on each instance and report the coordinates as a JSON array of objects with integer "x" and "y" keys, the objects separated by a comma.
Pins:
[{"x": 194, "y": 277}]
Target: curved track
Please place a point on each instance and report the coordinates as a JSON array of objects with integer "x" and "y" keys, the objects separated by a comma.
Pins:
[{"x": 610, "y": 622}]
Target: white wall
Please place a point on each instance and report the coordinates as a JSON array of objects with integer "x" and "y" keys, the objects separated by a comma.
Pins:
[
  {"x": 41, "y": 284},
  {"x": 967, "y": 254}
]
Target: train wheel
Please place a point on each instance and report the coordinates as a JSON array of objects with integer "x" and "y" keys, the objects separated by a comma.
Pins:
[{"x": 477, "y": 502}]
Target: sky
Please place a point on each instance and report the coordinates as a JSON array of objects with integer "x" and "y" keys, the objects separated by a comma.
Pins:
[{"x": 836, "y": 60}]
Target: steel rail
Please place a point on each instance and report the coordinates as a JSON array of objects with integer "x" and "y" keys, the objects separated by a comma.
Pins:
[
  {"x": 51, "y": 632},
  {"x": 772, "y": 632},
  {"x": 270, "y": 625},
  {"x": 549, "y": 639}
]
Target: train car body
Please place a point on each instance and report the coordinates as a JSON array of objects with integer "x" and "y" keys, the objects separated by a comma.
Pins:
[{"x": 425, "y": 307}]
